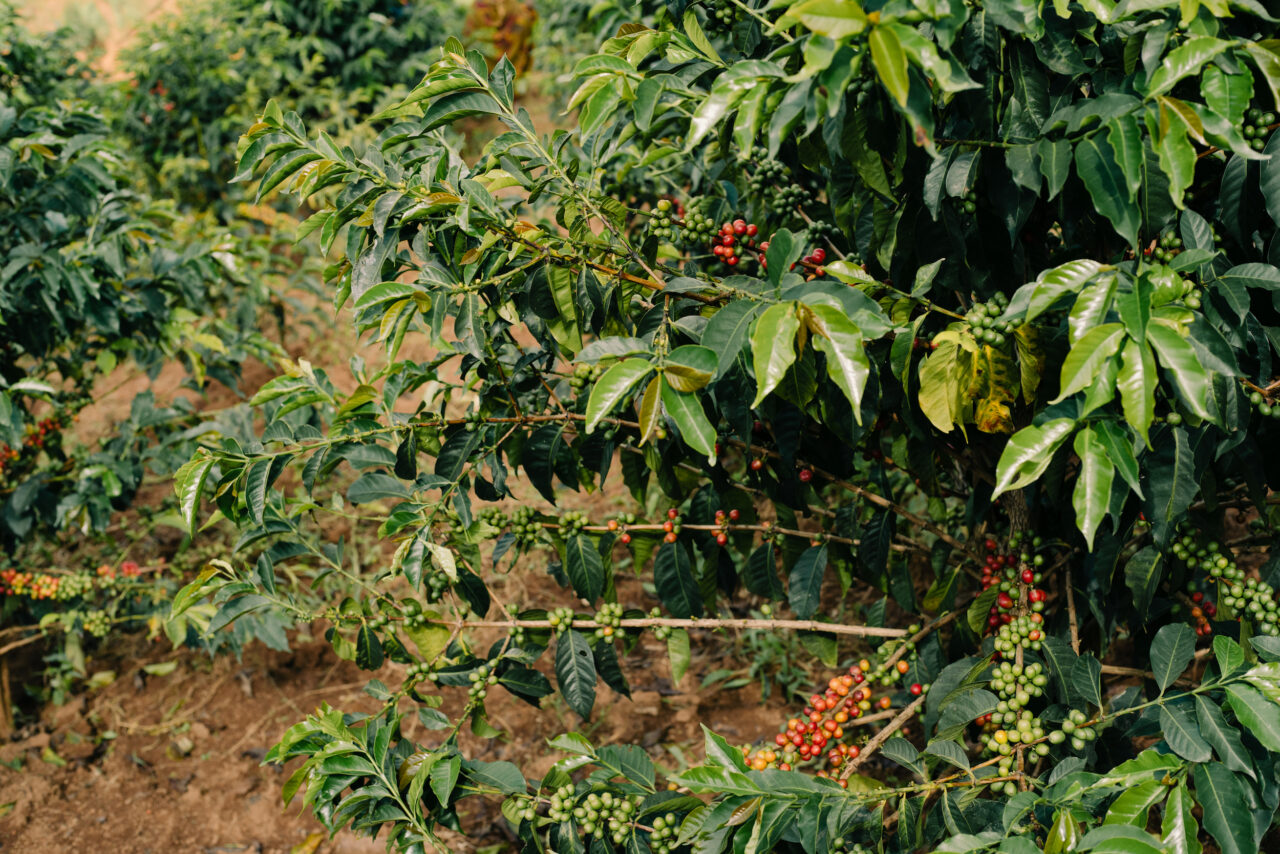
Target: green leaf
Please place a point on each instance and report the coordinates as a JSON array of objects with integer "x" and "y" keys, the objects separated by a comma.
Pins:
[
  {"x": 678, "y": 654},
  {"x": 890, "y": 61},
  {"x": 1028, "y": 453},
  {"x": 727, "y": 331},
  {"x": 375, "y": 486},
  {"x": 1258, "y": 713},
  {"x": 1096, "y": 164},
  {"x": 1184, "y": 60},
  {"x": 612, "y": 387},
  {"x": 1142, "y": 575},
  {"x": 1090, "y": 308},
  {"x": 690, "y": 418},
  {"x": 805, "y": 586},
  {"x": 1223, "y": 738},
  {"x": 694, "y": 31},
  {"x": 1137, "y": 384},
  {"x": 444, "y": 776},
  {"x": 1226, "y": 808},
  {"x": 1178, "y": 828},
  {"x": 583, "y": 565},
  {"x": 1177, "y": 158},
  {"x": 1119, "y": 449},
  {"x": 1134, "y": 804},
  {"x": 188, "y": 483},
  {"x": 691, "y": 367},
  {"x": 847, "y": 362},
  {"x": 835, "y": 19},
  {"x": 673, "y": 578},
  {"x": 1179, "y": 358},
  {"x": 1228, "y": 95},
  {"x": 1181, "y": 732},
  {"x": 576, "y": 672},
  {"x": 1171, "y": 651},
  {"x": 368, "y": 649},
  {"x": 1092, "y": 493},
  {"x": 1086, "y": 680},
  {"x": 1085, "y": 360},
  {"x": 1229, "y": 654},
  {"x": 773, "y": 347}
]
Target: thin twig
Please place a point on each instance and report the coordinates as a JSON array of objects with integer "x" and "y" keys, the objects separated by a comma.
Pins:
[
  {"x": 692, "y": 623},
  {"x": 882, "y": 736}
]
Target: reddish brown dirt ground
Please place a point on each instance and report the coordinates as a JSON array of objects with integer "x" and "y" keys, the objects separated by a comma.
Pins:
[{"x": 183, "y": 771}]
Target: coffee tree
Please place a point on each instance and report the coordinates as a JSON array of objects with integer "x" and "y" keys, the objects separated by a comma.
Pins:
[{"x": 942, "y": 333}]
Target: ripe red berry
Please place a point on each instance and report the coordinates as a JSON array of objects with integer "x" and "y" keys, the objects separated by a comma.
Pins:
[
  {"x": 739, "y": 226},
  {"x": 991, "y": 545},
  {"x": 757, "y": 464},
  {"x": 732, "y": 260},
  {"x": 1004, "y": 601},
  {"x": 673, "y": 513},
  {"x": 670, "y": 538},
  {"x": 819, "y": 255},
  {"x": 626, "y": 539},
  {"x": 734, "y": 515},
  {"x": 806, "y": 475},
  {"x": 752, "y": 229},
  {"x": 916, "y": 689},
  {"x": 1028, "y": 576},
  {"x": 721, "y": 539}
]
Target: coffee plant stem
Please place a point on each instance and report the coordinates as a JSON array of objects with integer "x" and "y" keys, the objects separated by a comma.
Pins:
[
  {"x": 882, "y": 736},
  {"x": 700, "y": 623},
  {"x": 770, "y": 27}
]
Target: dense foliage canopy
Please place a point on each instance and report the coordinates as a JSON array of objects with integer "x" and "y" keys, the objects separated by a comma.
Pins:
[{"x": 945, "y": 325}]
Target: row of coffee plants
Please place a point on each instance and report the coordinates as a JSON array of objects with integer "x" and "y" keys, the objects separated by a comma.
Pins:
[
  {"x": 101, "y": 284},
  {"x": 962, "y": 310}
]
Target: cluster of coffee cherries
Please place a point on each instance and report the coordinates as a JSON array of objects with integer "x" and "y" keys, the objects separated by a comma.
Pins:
[
  {"x": 527, "y": 531},
  {"x": 1077, "y": 728},
  {"x": 664, "y": 221},
  {"x": 561, "y": 620},
  {"x": 789, "y": 197},
  {"x": 671, "y": 527},
  {"x": 1264, "y": 405},
  {"x": 36, "y": 436},
  {"x": 984, "y": 323},
  {"x": 435, "y": 585},
  {"x": 96, "y": 623},
  {"x": 481, "y": 679},
  {"x": 817, "y": 733},
  {"x": 62, "y": 587},
  {"x": 813, "y": 262},
  {"x": 1256, "y": 128},
  {"x": 584, "y": 374},
  {"x": 597, "y": 814},
  {"x": 723, "y": 520},
  {"x": 1169, "y": 246},
  {"x": 839, "y": 844},
  {"x": 765, "y": 172},
  {"x": 698, "y": 228},
  {"x": 733, "y": 240},
  {"x": 659, "y": 632},
  {"x": 610, "y": 619},
  {"x": 1024, "y": 630},
  {"x": 968, "y": 203},
  {"x": 573, "y": 522},
  {"x": 722, "y": 12},
  {"x": 619, "y": 524},
  {"x": 492, "y": 516},
  {"x": 1253, "y": 599},
  {"x": 420, "y": 670},
  {"x": 865, "y": 87},
  {"x": 665, "y": 834},
  {"x": 107, "y": 575}
]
